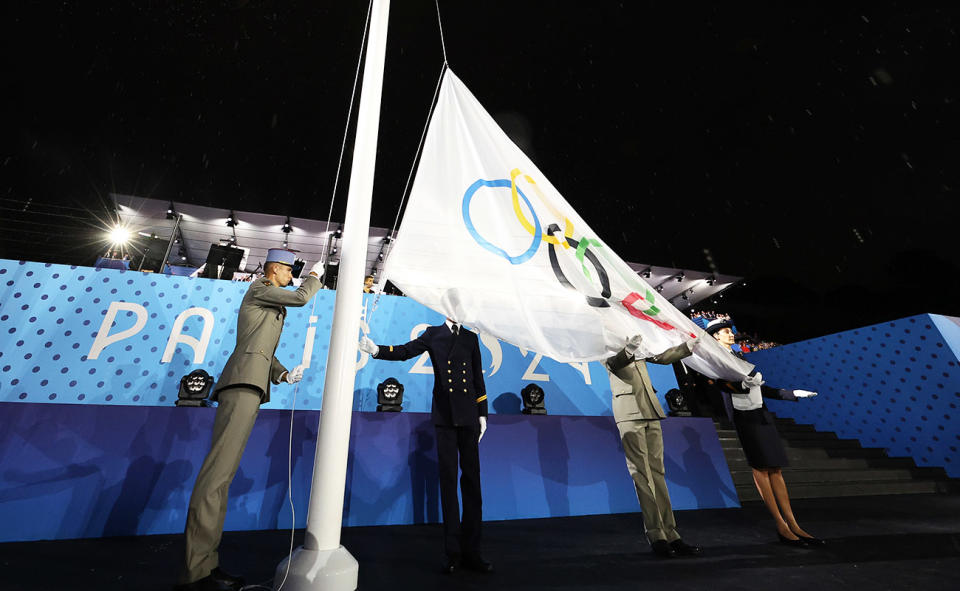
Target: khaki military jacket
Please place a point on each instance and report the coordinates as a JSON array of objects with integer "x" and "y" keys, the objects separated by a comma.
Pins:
[
  {"x": 259, "y": 324},
  {"x": 633, "y": 395}
]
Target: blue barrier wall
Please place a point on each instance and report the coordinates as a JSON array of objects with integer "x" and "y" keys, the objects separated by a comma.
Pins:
[
  {"x": 71, "y": 471},
  {"x": 79, "y": 335},
  {"x": 894, "y": 385}
]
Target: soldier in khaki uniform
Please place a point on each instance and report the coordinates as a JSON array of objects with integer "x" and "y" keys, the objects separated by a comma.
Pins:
[
  {"x": 638, "y": 414},
  {"x": 243, "y": 386}
]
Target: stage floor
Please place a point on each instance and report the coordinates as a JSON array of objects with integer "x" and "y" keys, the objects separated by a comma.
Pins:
[{"x": 889, "y": 542}]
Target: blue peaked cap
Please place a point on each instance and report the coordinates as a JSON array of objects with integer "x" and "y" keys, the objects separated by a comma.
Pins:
[{"x": 281, "y": 255}]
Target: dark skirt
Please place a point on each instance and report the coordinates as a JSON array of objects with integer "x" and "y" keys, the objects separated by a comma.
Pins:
[{"x": 760, "y": 439}]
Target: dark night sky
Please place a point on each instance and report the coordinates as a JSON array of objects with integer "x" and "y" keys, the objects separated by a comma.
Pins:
[{"x": 812, "y": 148}]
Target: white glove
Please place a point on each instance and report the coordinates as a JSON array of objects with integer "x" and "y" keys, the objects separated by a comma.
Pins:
[
  {"x": 692, "y": 344},
  {"x": 751, "y": 381},
  {"x": 483, "y": 428},
  {"x": 633, "y": 344},
  {"x": 368, "y": 346},
  {"x": 804, "y": 393},
  {"x": 317, "y": 269},
  {"x": 294, "y": 375}
]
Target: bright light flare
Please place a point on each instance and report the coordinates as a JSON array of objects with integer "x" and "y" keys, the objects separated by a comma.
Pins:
[{"x": 119, "y": 235}]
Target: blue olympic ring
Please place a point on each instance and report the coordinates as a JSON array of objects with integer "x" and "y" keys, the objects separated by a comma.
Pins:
[{"x": 538, "y": 233}]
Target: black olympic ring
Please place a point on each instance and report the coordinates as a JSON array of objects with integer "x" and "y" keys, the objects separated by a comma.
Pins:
[{"x": 601, "y": 272}]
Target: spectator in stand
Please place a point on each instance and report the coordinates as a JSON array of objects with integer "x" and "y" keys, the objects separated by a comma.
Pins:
[{"x": 368, "y": 284}]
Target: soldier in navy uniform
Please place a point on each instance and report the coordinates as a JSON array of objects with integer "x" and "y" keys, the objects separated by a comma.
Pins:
[
  {"x": 760, "y": 440},
  {"x": 459, "y": 414}
]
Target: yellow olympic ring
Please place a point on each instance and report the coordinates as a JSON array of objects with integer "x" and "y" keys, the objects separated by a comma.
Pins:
[{"x": 568, "y": 225}]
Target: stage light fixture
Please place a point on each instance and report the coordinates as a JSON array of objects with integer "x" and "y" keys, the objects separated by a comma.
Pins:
[
  {"x": 677, "y": 403},
  {"x": 171, "y": 212},
  {"x": 711, "y": 280},
  {"x": 646, "y": 273},
  {"x": 338, "y": 233},
  {"x": 194, "y": 388},
  {"x": 659, "y": 288},
  {"x": 533, "y": 400},
  {"x": 287, "y": 228},
  {"x": 232, "y": 220},
  {"x": 380, "y": 257},
  {"x": 679, "y": 277},
  {"x": 390, "y": 396}
]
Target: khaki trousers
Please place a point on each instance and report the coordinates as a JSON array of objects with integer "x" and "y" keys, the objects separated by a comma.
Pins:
[
  {"x": 236, "y": 412},
  {"x": 643, "y": 447}
]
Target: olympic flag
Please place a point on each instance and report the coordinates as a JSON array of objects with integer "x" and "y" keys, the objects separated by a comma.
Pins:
[{"x": 488, "y": 241}]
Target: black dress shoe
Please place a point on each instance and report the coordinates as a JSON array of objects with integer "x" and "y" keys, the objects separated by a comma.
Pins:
[
  {"x": 478, "y": 564},
  {"x": 662, "y": 549},
  {"x": 450, "y": 565},
  {"x": 684, "y": 549},
  {"x": 812, "y": 541},
  {"x": 793, "y": 543},
  {"x": 222, "y": 576}
]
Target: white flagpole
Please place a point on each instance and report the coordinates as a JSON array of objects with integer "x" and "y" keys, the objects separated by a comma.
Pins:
[{"x": 322, "y": 563}]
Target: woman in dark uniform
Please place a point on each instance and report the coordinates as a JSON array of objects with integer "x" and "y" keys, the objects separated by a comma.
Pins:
[{"x": 761, "y": 441}]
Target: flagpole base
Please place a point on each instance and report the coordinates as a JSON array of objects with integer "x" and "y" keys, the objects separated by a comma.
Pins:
[{"x": 316, "y": 570}]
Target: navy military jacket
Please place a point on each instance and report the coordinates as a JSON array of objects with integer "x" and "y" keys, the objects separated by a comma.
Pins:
[{"x": 459, "y": 394}]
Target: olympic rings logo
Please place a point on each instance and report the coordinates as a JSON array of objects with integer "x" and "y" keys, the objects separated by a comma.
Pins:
[{"x": 556, "y": 238}]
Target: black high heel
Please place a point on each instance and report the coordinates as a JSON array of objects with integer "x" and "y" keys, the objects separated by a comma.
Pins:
[
  {"x": 793, "y": 543},
  {"x": 811, "y": 541}
]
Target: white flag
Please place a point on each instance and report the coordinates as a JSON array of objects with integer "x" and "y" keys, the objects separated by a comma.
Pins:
[{"x": 487, "y": 240}]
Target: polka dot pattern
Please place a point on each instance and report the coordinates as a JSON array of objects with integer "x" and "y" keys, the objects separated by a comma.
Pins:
[
  {"x": 53, "y": 313},
  {"x": 894, "y": 385}
]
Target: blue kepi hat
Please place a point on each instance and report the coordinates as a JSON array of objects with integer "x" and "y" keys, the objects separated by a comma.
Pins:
[{"x": 281, "y": 255}]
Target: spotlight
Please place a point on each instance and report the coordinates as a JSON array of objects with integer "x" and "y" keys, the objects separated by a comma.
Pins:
[
  {"x": 679, "y": 277},
  {"x": 338, "y": 234},
  {"x": 286, "y": 226},
  {"x": 171, "y": 212},
  {"x": 387, "y": 239},
  {"x": 232, "y": 220},
  {"x": 380, "y": 257},
  {"x": 119, "y": 235},
  {"x": 334, "y": 251},
  {"x": 390, "y": 396},
  {"x": 646, "y": 273},
  {"x": 659, "y": 288},
  {"x": 194, "y": 388},
  {"x": 684, "y": 296},
  {"x": 711, "y": 280},
  {"x": 284, "y": 242},
  {"x": 677, "y": 403},
  {"x": 532, "y": 395}
]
